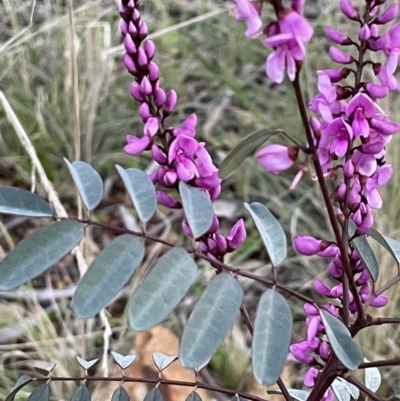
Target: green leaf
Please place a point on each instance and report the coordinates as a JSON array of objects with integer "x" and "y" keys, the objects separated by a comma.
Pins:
[
  {"x": 340, "y": 390},
  {"x": 373, "y": 378},
  {"x": 141, "y": 190},
  {"x": 81, "y": 394},
  {"x": 271, "y": 232},
  {"x": 351, "y": 388},
  {"x": 198, "y": 209},
  {"x": 86, "y": 364},
  {"x": 210, "y": 321},
  {"x": 38, "y": 252},
  {"x": 23, "y": 203},
  {"x": 45, "y": 372},
  {"x": 243, "y": 150},
  {"x": 162, "y": 361},
  {"x": 365, "y": 251},
  {"x": 154, "y": 395},
  {"x": 41, "y": 393},
  {"x": 21, "y": 382},
  {"x": 120, "y": 394},
  {"x": 107, "y": 275},
  {"x": 88, "y": 182},
  {"x": 193, "y": 396},
  {"x": 123, "y": 361},
  {"x": 162, "y": 289},
  {"x": 271, "y": 339},
  {"x": 300, "y": 395},
  {"x": 391, "y": 245},
  {"x": 345, "y": 348}
]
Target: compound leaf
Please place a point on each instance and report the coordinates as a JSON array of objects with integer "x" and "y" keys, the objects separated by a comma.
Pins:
[
  {"x": 21, "y": 382},
  {"x": 38, "y": 252},
  {"x": 162, "y": 361},
  {"x": 141, "y": 190},
  {"x": 120, "y": 394},
  {"x": 391, "y": 245},
  {"x": 123, "y": 361},
  {"x": 23, "y": 203},
  {"x": 210, "y": 321},
  {"x": 154, "y": 395},
  {"x": 365, "y": 251},
  {"x": 271, "y": 232},
  {"x": 86, "y": 364},
  {"x": 81, "y": 394},
  {"x": 41, "y": 393},
  {"x": 162, "y": 289},
  {"x": 87, "y": 181},
  {"x": 345, "y": 348},
  {"x": 107, "y": 275},
  {"x": 271, "y": 340},
  {"x": 243, "y": 150},
  {"x": 198, "y": 209}
]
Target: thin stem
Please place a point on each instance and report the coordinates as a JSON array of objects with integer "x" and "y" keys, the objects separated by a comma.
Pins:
[
  {"x": 380, "y": 364},
  {"x": 364, "y": 389},
  {"x": 376, "y": 321},
  {"x": 161, "y": 381}
]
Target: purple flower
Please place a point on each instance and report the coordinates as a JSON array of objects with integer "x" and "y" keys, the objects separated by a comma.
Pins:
[
  {"x": 277, "y": 158},
  {"x": 306, "y": 245},
  {"x": 248, "y": 12},
  {"x": 181, "y": 152},
  {"x": 236, "y": 235}
]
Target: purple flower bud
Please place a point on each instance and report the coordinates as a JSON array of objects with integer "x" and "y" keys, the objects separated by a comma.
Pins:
[
  {"x": 322, "y": 288},
  {"x": 142, "y": 59},
  {"x": 377, "y": 91},
  {"x": 222, "y": 245},
  {"x": 135, "y": 15},
  {"x": 347, "y": 9},
  {"x": 170, "y": 103},
  {"x": 123, "y": 26},
  {"x": 129, "y": 44},
  {"x": 160, "y": 97},
  {"x": 337, "y": 75},
  {"x": 150, "y": 49},
  {"x": 380, "y": 43},
  {"x": 154, "y": 72},
  {"x": 363, "y": 278},
  {"x": 335, "y": 36},
  {"x": 379, "y": 301},
  {"x": 348, "y": 169},
  {"x": 130, "y": 64},
  {"x": 297, "y": 5},
  {"x": 144, "y": 112},
  {"x": 388, "y": 15},
  {"x": 341, "y": 192},
  {"x": 310, "y": 376},
  {"x": 306, "y": 245},
  {"x": 170, "y": 178},
  {"x": 236, "y": 235},
  {"x": 166, "y": 200},
  {"x": 324, "y": 350},
  {"x": 334, "y": 270},
  {"x": 339, "y": 57},
  {"x": 143, "y": 31},
  {"x": 214, "y": 226},
  {"x": 212, "y": 246},
  {"x": 301, "y": 352},
  {"x": 187, "y": 229},
  {"x": 158, "y": 155},
  {"x": 364, "y": 34},
  {"x": 145, "y": 87},
  {"x": 310, "y": 309},
  {"x": 374, "y": 30},
  {"x": 132, "y": 30},
  {"x": 136, "y": 145},
  {"x": 277, "y": 158},
  {"x": 203, "y": 247}
]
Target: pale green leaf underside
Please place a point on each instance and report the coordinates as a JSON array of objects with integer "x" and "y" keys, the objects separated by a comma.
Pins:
[
  {"x": 162, "y": 361},
  {"x": 271, "y": 339},
  {"x": 141, "y": 190},
  {"x": 23, "y": 203},
  {"x": 340, "y": 390},
  {"x": 365, "y": 251},
  {"x": 271, "y": 232},
  {"x": 87, "y": 181},
  {"x": 210, "y": 321},
  {"x": 40, "y": 393},
  {"x": 107, "y": 275},
  {"x": 124, "y": 361},
  {"x": 38, "y": 252},
  {"x": 86, "y": 364},
  {"x": 162, "y": 289},
  {"x": 345, "y": 348},
  {"x": 198, "y": 209},
  {"x": 373, "y": 378}
]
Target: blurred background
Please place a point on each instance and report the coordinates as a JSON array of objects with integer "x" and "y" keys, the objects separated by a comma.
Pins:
[{"x": 61, "y": 74}]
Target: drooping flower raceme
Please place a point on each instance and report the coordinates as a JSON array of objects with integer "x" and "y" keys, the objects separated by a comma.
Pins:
[{"x": 181, "y": 157}]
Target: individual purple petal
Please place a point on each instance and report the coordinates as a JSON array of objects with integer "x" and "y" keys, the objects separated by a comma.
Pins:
[
  {"x": 377, "y": 91},
  {"x": 160, "y": 97},
  {"x": 340, "y": 57},
  {"x": 384, "y": 125},
  {"x": 237, "y": 235},
  {"x": 136, "y": 92},
  {"x": 130, "y": 64},
  {"x": 151, "y": 127},
  {"x": 348, "y": 10},
  {"x": 247, "y": 12},
  {"x": 334, "y": 35},
  {"x": 142, "y": 59},
  {"x": 275, "y": 66},
  {"x": 310, "y": 309},
  {"x": 324, "y": 350},
  {"x": 144, "y": 111},
  {"x": 322, "y": 288},
  {"x": 214, "y": 226},
  {"x": 277, "y": 158},
  {"x": 361, "y": 100},
  {"x": 158, "y": 155},
  {"x": 388, "y": 15},
  {"x": 366, "y": 164},
  {"x": 306, "y": 245},
  {"x": 145, "y": 86},
  {"x": 166, "y": 200},
  {"x": 129, "y": 45},
  {"x": 310, "y": 376},
  {"x": 150, "y": 49},
  {"x": 297, "y": 5},
  {"x": 222, "y": 244},
  {"x": 364, "y": 34},
  {"x": 186, "y": 228},
  {"x": 379, "y": 301},
  {"x": 295, "y": 24},
  {"x": 136, "y": 145},
  {"x": 301, "y": 352},
  {"x": 170, "y": 103},
  {"x": 154, "y": 71}
]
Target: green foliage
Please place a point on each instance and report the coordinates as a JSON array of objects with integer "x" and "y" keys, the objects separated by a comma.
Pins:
[
  {"x": 141, "y": 190},
  {"x": 88, "y": 182},
  {"x": 81, "y": 394},
  {"x": 345, "y": 348},
  {"x": 198, "y": 209},
  {"x": 391, "y": 245},
  {"x": 154, "y": 395},
  {"x": 271, "y": 232},
  {"x": 162, "y": 289},
  {"x": 271, "y": 339},
  {"x": 107, "y": 275},
  {"x": 120, "y": 394},
  {"x": 193, "y": 396},
  {"x": 40, "y": 393},
  {"x": 124, "y": 361},
  {"x": 21, "y": 382},
  {"x": 38, "y": 252},
  {"x": 162, "y": 361},
  {"x": 23, "y": 203},
  {"x": 210, "y": 320}
]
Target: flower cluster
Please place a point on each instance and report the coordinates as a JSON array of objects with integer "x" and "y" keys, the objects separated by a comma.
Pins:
[
  {"x": 348, "y": 136},
  {"x": 179, "y": 155},
  {"x": 287, "y": 36}
]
